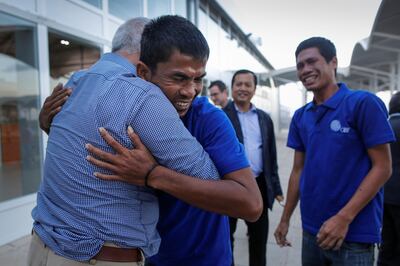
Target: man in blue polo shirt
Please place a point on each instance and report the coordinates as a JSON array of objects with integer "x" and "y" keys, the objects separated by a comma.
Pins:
[{"x": 341, "y": 161}]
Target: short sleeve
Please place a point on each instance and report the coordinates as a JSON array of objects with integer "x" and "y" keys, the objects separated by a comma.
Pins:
[
  {"x": 294, "y": 137},
  {"x": 372, "y": 121},
  {"x": 220, "y": 141}
]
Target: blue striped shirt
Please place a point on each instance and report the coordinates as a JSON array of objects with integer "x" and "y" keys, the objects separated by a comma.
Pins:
[{"x": 77, "y": 212}]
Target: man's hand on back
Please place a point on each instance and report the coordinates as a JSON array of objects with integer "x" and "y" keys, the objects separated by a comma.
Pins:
[
  {"x": 131, "y": 166},
  {"x": 52, "y": 105}
]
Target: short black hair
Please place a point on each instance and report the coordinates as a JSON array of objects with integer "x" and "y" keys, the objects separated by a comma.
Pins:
[
  {"x": 165, "y": 34},
  {"x": 244, "y": 71},
  {"x": 394, "y": 104},
  {"x": 326, "y": 48},
  {"x": 220, "y": 84}
]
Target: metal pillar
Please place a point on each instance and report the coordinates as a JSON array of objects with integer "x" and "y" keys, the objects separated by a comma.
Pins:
[{"x": 398, "y": 72}]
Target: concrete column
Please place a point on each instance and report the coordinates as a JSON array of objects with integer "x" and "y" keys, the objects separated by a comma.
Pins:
[
  {"x": 44, "y": 70},
  {"x": 392, "y": 82},
  {"x": 375, "y": 83},
  {"x": 275, "y": 105},
  {"x": 398, "y": 72},
  {"x": 304, "y": 94},
  {"x": 193, "y": 10},
  {"x": 145, "y": 8}
]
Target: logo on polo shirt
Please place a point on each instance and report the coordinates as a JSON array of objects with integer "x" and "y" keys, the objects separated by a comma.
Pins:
[{"x": 336, "y": 126}]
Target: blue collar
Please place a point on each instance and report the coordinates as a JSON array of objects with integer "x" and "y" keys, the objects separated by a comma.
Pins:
[
  {"x": 334, "y": 100},
  {"x": 116, "y": 58}
]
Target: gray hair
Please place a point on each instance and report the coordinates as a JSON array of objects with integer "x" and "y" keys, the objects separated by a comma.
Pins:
[{"x": 128, "y": 35}]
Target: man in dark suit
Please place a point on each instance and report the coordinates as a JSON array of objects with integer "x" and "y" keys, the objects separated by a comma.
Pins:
[
  {"x": 255, "y": 130},
  {"x": 389, "y": 249}
]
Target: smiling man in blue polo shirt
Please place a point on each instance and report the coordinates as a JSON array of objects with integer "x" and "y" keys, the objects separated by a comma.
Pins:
[{"x": 342, "y": 159}]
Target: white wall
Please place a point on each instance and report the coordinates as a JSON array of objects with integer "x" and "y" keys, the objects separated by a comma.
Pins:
[
  {"x": 72, "y": 17},
  {"x": 15, "y": 218}
]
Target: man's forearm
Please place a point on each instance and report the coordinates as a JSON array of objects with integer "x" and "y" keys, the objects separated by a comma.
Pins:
[
  {"x": 368, "y": 188},
  {"x": 234, "y": 197},
  {"x": 292, "y": 197}
]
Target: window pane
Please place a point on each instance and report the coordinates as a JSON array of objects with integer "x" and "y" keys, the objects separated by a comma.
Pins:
[
  {"x": 67, "y": 55},
  {"x": 20, "y": 137},
  {"x": 126, "y": 9},
  {"x": 158, "y": 7},
  {"x": 96, "y": 3}
]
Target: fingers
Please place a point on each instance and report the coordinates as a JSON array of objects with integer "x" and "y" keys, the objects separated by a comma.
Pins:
[
  {"x": 139, "y": 182},
  {"x": 135, "y": 139},
  {"x": 54, "y": 112},
  {"x": 60, "y": 100},
  {"x": 280, "y": 236},
  {"x": 338, "y": 244},
  {"x": 280, "y": 198},
  {"x": 281, "y": 240},
  {"x": 101, "y": 164},
  {"x": 57, "y": 98},
  {"x": 108, "y": 177},
  {"x": 103, "y": 155},
  {"x": 111, "y": 141},
  {"x": 58, "y": 87},
  {"x": 328, "y": 243},
  {"x": 60, "y": 90},
  {"x": 328, "y": 240}
]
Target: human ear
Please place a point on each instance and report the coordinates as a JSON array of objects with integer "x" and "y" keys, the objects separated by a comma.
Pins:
[
  {"x": 334, "y": 61},
  {"x": 143, "y": 71}
]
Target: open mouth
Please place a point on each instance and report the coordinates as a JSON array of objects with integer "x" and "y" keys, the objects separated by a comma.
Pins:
[
  {"x": 309, "y": 79},
  {"x": 243, "y": 94},
  {"x": 182, "y": 105}
]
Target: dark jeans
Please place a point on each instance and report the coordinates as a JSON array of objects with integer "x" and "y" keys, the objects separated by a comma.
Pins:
[
  {"x": 349, "y": 254},
  {"x": 257, "y": 232},
  {"x": 389, "y": 251}
]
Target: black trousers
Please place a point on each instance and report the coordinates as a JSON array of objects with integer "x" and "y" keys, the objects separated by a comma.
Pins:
[
  {"x": 257, "y": 231},
  {"x": 389, "y": 251}
]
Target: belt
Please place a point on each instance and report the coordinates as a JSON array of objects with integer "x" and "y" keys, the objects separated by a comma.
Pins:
[{"x": 116, "y": 254}]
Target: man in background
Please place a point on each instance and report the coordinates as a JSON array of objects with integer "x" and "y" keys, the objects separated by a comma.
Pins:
[
  {"x": 389, "y": 251},
  {"x": 219, "y": 93},
  {"x": 255, "y": 130}
]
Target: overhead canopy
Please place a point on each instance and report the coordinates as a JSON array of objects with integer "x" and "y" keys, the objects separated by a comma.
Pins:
[{"x": 375, "y": 62}]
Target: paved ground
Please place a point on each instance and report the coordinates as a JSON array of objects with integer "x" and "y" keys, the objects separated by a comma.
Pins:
[
  {"x": 276, "y": 256},
  {"x": 14, "y": 253}
]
